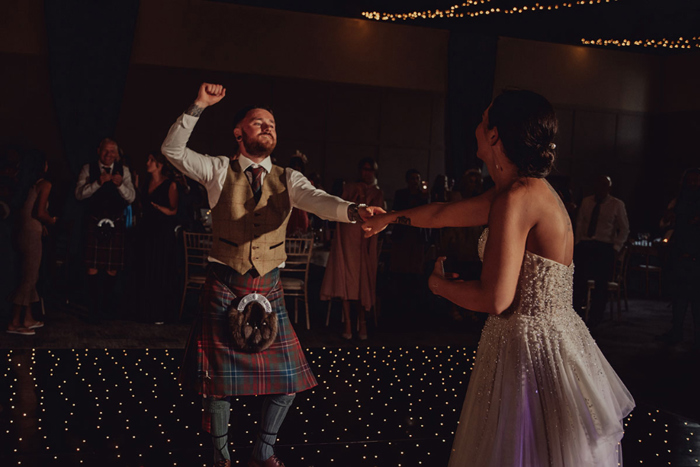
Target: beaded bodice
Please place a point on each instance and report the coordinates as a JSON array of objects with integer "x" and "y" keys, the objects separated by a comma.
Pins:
[{"x": 544, "y": 285}]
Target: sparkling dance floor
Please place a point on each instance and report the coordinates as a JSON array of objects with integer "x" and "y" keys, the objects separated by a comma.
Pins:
[{"x": 374, "y": 406}]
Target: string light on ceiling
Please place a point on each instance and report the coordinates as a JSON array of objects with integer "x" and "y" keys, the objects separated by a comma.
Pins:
[
  {"x": 680, "y": 43},
  {"x": 453, "y": 11}
]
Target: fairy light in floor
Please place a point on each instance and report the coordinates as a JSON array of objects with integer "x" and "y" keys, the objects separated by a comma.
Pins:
[
  {"x": 454, "y": 11},
  {"x": 373, "y": 406},
  {"x": 679, "y": 43}
]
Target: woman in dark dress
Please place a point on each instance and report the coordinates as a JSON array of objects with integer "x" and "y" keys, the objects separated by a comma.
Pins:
[{"x": 157, "y": 242}]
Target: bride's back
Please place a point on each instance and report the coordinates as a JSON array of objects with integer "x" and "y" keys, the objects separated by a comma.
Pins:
[{"x": 552, "y": 235}]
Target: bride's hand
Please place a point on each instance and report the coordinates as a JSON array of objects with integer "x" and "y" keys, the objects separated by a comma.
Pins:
[
  {"x": 438, "y": 276},
  {"x": 375, "y": 224}
]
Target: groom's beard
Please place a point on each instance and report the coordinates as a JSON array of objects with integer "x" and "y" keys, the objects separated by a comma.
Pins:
[{"x": 259, "y": 146}]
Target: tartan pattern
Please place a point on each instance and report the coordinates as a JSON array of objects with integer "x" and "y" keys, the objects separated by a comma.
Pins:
[
  {"x": 105, "y": 254},
  {"x": 249, "y": 234},
  {"x": 211, "y": 364}
]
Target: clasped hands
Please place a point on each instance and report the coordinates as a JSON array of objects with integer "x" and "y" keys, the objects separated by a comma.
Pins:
[{"x": 105, "y": 177}]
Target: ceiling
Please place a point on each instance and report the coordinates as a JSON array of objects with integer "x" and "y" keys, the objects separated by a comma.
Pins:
[{"x": 617, "y": 20}]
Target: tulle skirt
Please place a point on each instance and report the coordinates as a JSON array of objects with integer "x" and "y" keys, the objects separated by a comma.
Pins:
[{"x": 541, "y": 394}]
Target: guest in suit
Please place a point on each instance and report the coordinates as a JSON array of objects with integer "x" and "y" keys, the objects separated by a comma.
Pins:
[
  {"x": 602, "y": 229},
  {"x": 106, "y": 188}
]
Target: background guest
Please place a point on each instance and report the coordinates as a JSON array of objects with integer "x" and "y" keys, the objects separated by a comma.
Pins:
[
  {"x": 408, "y": 247},
  {"x": 460, "y": 244},
  {"x": 351, "y": 272},
  {"x": 685, "y": 256},
  {"x": 31, "y": 226},
  {"x": 602, "y": 229},
  {"x": 441, "y": 190},
  {"x": 156, "y": 241},
  {"x": 105, "y": 185}
]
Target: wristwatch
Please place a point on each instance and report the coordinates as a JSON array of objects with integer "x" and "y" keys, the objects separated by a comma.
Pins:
[{"x": 354, "y": 213}]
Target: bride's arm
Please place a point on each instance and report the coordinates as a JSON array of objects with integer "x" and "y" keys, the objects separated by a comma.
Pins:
[
  {"x": 494, "y": 291},
  {"x": 464, "y": 213}
]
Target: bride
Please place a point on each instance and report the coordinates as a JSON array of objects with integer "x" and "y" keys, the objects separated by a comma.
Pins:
[{"x": 541, "y": 392}]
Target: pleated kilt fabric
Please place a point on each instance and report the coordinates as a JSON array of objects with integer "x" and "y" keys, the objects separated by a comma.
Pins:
[
  {"x": 213, "y": 367},
  {"x": 103, "y": 253}
]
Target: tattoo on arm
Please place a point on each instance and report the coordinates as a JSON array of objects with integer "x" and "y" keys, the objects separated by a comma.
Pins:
[
  {"x": 195, "y": 110},
  {"x": 403, "y": 220}
]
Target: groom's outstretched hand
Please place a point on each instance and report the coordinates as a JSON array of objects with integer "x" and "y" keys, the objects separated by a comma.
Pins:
[{"x": 367, "y": 212}]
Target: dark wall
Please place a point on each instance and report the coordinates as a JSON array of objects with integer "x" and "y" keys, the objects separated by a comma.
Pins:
[{"x": 629, "y": 115}]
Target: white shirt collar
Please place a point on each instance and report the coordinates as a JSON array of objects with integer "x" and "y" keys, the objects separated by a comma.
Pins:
[
  {"x": 106, "y": 166},
  {"x": 245, "y": 163}
]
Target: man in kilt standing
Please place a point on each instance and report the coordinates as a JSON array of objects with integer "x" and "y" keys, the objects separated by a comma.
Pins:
[
  {"x": 251, "y": 200},
  {"x": 105, "y": 185}
]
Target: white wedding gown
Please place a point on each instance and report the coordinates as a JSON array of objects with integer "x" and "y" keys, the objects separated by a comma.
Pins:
[{"x": 541, "y": 393}]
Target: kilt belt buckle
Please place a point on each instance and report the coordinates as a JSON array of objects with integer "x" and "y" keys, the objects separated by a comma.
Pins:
[{"x": 254, "y": 326}]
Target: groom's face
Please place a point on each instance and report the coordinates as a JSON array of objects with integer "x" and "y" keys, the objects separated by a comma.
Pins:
[{"x": 257, "y": 132}]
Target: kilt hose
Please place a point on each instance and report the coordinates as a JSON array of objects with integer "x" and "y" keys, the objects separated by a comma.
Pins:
[
  {"x": 213, "y": 367},
  {"x": 102, "y": 253}
]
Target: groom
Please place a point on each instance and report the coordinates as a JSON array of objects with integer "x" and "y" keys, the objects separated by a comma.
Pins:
[{"x": 251, "y": 200}]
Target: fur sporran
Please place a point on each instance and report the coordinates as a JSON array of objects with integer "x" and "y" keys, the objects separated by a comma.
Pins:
[{"x": 253, "y": 324}]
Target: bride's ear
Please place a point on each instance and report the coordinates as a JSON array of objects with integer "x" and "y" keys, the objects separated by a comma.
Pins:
[{"x": 493, "y": 136}]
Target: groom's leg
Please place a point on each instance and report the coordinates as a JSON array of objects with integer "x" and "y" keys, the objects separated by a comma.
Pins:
[
  {"x": 218, "y": 409},
  {"x": 274, "y": 411}
]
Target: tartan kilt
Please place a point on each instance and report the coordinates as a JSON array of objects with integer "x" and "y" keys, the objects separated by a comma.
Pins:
[
  {"x": 213, "y": 367},
  {"x": 101, "y": 253}
]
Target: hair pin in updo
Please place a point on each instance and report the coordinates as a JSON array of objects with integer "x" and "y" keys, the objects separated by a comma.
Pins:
[{"x": 552, "y": 146}]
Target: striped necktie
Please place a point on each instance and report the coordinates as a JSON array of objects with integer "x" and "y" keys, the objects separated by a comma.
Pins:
[{"x": 255, "y": 179}]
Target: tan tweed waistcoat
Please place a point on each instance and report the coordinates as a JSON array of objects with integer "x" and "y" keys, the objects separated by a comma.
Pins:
[{"x": 247, "y": 235}]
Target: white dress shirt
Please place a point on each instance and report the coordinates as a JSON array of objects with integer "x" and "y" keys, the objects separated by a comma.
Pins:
[
  {"x": 211, "y": 172},
  {"x": 612, "y": 227},
  {"x": 84, "y": 189}
]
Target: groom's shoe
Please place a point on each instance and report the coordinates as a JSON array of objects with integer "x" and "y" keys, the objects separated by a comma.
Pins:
[{"x": 271, "y": 462}]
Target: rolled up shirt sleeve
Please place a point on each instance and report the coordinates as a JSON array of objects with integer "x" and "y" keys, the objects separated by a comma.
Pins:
[
  {"x": 209, "y": 171},
  {"x": 311, "y": 199}
]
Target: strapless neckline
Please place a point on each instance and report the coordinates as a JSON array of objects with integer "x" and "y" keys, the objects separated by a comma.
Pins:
[
  {"x": 482, "y": 244},
  {"x": 528, "y": 252}
]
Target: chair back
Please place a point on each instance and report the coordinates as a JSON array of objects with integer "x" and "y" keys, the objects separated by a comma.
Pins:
[
  {"x": 621, "y": 262},
  {"x": 197, "y": 248},
  {"x": 298, "y": 253}
]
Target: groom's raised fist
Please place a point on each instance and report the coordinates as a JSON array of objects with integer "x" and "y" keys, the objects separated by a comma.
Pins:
[{"x": 209, "y": 94}]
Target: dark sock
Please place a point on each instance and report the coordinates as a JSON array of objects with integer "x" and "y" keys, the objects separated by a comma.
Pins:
[{"x": 274, "y": 411}]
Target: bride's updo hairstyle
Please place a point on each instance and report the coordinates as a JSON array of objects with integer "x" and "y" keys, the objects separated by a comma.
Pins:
[{"x": 526, "y": 126}]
